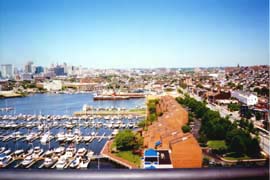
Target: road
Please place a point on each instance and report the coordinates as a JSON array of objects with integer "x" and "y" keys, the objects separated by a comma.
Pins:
[{"x": 264, "y": 138}]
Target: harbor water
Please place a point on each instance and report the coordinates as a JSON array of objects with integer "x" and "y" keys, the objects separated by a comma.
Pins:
[{"x": 63, "y": 104}]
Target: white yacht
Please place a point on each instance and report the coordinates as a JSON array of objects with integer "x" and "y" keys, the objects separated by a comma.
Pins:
[{"x": 45, "y": 138}]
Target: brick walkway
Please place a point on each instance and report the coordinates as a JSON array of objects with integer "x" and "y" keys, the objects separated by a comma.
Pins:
[{"x": 107, "y": 153}]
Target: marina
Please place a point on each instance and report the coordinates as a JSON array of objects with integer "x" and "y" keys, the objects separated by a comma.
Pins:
[{"x": 58, "y": 140}]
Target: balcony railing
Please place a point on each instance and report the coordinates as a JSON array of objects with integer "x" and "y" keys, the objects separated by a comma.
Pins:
[{"x": 261, "y": 173}]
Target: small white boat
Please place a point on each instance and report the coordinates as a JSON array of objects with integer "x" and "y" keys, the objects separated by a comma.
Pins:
[
  {"x": 81, "y": 152},
  {"x": 27, "y": 160},
  {"x": 48, "y": 162},
  {"x": 61, "y": 163},
  {"x": 45, "y": 138},
  {"x": 74, "y": 163},
  {"x": 4, "y": 160},
  {"x": 70, "y": 151},
  {"x": 87, "y": 138},
  {"x": 61, "y": 137},
  {"x": 70, "y": 137},
  {"x": 7, "y": 152},
  {"x": 2, "y": 149},
  {"x": 48, "y": 152},
  {"x": 60, "y": 150},
  {"x": 84, "y": 163},
  {"x": 37, "y": 152},
  {"x": 115, "y": 131},
  {"x": 18, "y": 152}
]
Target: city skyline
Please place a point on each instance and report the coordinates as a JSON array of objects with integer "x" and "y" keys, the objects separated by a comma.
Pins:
[{"x": 134, "y": 34}]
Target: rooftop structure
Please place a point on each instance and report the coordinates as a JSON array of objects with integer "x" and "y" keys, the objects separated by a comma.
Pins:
[{"x": 166, "y": 134}]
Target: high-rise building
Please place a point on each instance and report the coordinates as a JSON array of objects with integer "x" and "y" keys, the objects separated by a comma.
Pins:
[
  {"x": 7, "y": 71},
  {"x": 39, "y": 69},
  {"x": 28, "y": 67},
  {"x": 59, "y": 71}
]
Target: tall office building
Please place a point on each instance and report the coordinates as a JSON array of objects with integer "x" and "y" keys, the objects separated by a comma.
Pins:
[
  {"x": 39, "y": 69},
  {"x": 28, "y": 67},
  {"x": 59, "y": 71},
  {"x": 7, "y": 71}
]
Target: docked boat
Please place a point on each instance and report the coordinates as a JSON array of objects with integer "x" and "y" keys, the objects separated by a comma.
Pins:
[
  {"x": 49, "y": 152},
  {"x": 31, "y": 136},
  {"x": 81, "y": 152},
  {"x": 4, "y": 160},
  {"x": 61, "y": 136},
  {"x": 61, "y": 163},
  {"x": 70, "y": 137},
  {"x": 18, "y": 152},
  {"x": 45, "y": 138},
  {"x": 7, "y": 152},
  {"x": 37, "y": 152},
  {"x": 74, "y": 163},
  {"x": 28, "y": 160},
  {"x": 59, "y": 151},
  {"x": 87, "y": 138},
  {"x": 70, "y": 151},
  {"x": 90, "y": 154},
  {"x": 48, "y": 162},
  {"x": 115, "y": 131},
  {"x": 2, "y": 149},
  {"x": 84, "y": 163}
]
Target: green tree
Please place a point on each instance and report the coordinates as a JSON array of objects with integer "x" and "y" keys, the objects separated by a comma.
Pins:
[
  {"x": 253, "y": 149},
  {"x": 238, "y": 146},
  {"x": 125, "y": 140},
  {"x": 186, "y": 128}
]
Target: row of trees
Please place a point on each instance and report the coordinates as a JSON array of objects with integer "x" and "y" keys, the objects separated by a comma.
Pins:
[
  {"x": 152, "y": 113},
  {"x": 262, "y": 91},
  {"x": 214, "y": 127}
]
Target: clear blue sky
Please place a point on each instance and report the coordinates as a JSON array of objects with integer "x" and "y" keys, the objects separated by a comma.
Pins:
[{"x": 135, "y": 33}]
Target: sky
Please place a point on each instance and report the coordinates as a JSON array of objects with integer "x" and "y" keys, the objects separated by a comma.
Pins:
[{"x": 135, "y": 33}]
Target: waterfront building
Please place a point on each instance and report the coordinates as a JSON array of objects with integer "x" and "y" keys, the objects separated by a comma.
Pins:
[
  {"x": 7, "y": 71},
  {"x": 54, "y": 85}
]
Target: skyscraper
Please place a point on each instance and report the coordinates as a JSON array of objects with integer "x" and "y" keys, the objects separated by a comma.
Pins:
[
  {"x": 7, "y": 71},
  {"x": 28, "y": 67}
]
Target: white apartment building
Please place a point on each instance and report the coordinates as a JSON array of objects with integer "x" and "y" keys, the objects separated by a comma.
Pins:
[
  {"x": 245, "y": 97},
  {"x": 54, "y": 85}
]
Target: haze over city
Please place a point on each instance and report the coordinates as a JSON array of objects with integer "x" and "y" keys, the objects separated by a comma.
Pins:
[{"x": 134, "y": 34}]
